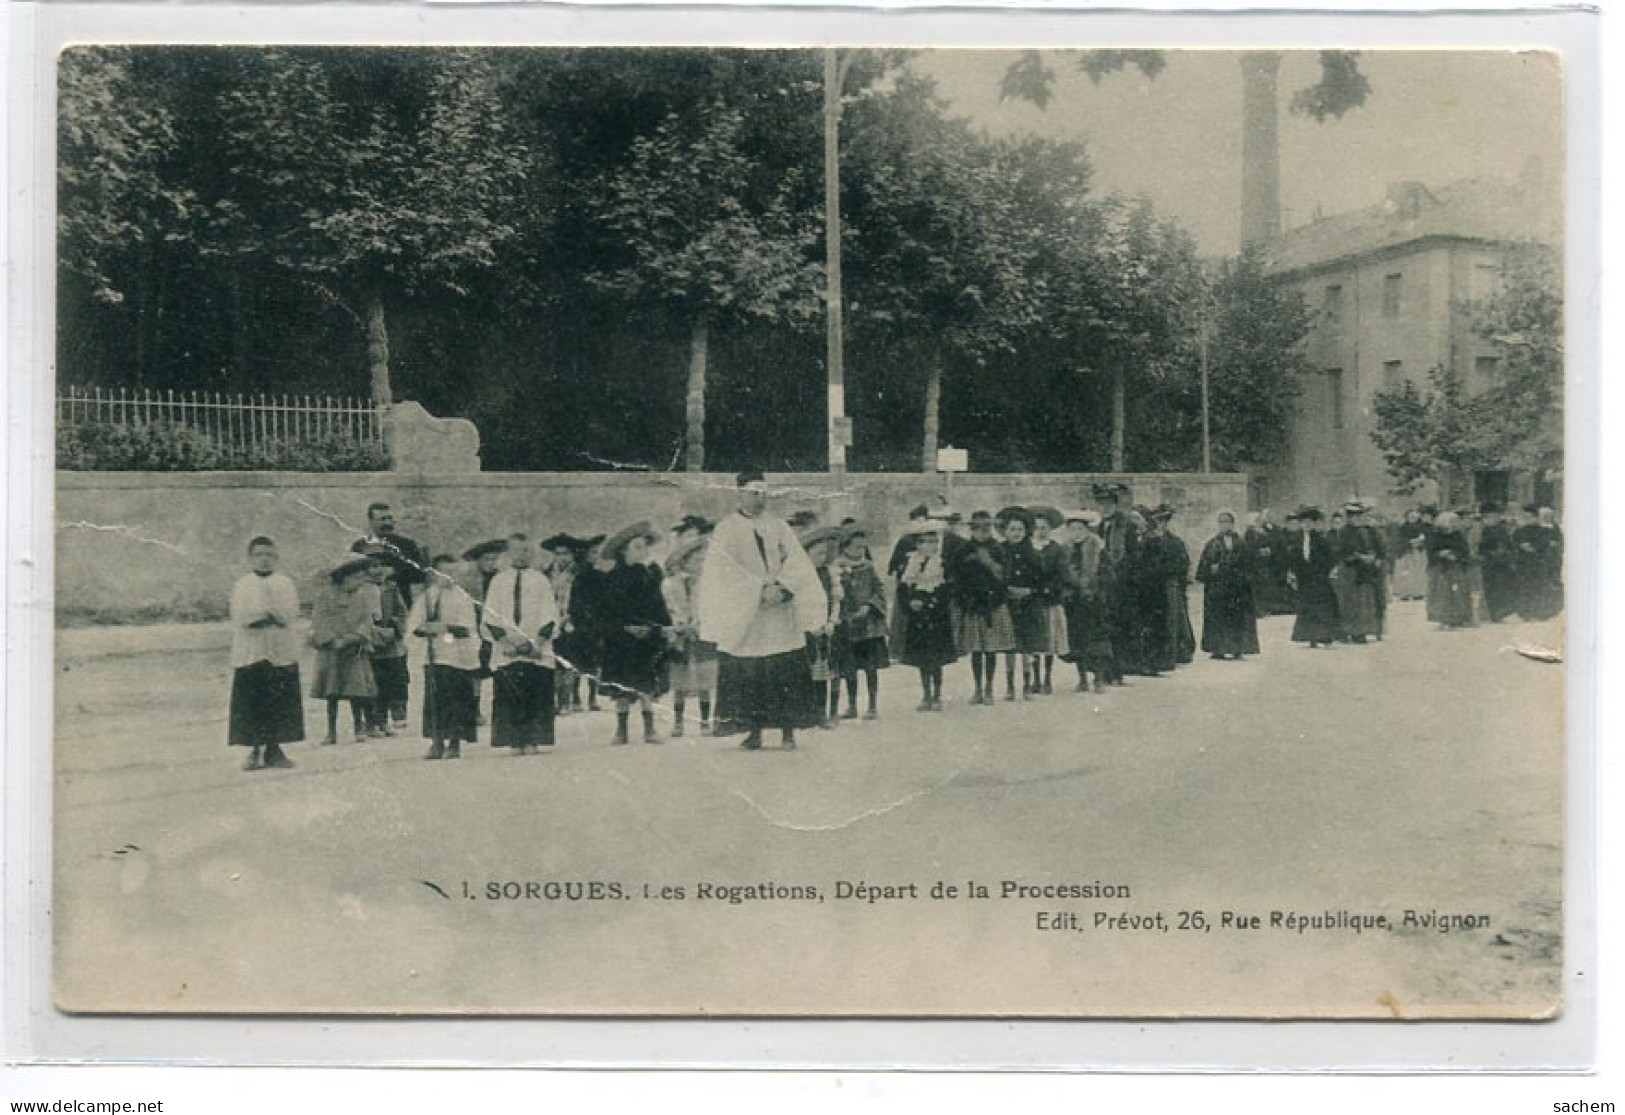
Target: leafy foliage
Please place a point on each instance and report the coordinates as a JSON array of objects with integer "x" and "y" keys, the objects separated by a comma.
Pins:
[
  {"x": 545, "y": 226},
  {"x": 1514, "y": 422},
  {"x": 170, "y": 447},
  {"x": 1341, "y": 87},
  {"x": 112, "y": 142}
]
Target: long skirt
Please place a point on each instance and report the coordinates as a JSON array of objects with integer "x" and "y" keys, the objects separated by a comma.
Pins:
[
  {"x": 1500, "y": 592},
  {"x": 930, "y": 639},
  {"x": 1317, "y": 620},
  {"x": 266, "y": 706},
  {"x": 863, "y": 655},
  {"x": 1357, "y": 606},
  {"x": 1229, "y": 618},
  {"x": 451, "y": 703},
  {"x": 1031, "y": 622},
  {"x": 1088, "y": 632},
  {"x": 1410, "y": 580},
  {"x": 775, "y": 691},
  {"x": 632, "y": 666},
  {"x": 980, "y": 632},
  {"x": 522, "y": 706},
  {"x": 344, "y": 673},
  {"x": 1450, "y": 600},
  {"x": 1542, "y": 599}
]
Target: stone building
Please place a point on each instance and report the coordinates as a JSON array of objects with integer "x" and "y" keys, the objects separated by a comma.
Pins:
[{"x": 1391, "y": 287}]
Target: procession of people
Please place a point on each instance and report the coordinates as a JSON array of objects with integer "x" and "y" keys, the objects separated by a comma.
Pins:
[{"x": 765, "y": 621}]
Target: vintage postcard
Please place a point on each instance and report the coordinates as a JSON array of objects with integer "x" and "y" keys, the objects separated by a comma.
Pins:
[{"x": 856, "y": 532}]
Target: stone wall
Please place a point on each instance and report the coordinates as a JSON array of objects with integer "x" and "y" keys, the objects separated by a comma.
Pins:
[{"x": 133, "y": 546}]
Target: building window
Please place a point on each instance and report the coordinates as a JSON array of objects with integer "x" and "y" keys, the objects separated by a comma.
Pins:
[
  {"x": 1334, "y": 396},
  {"x": 1485, "y": 368},
  {"x": 1333, "y": 307},
  {"x": 1390, "y": 294},
  {"x": 1393, "y": 374}
]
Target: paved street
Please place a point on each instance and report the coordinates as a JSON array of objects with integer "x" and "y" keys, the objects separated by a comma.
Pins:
[{"x": 1424, "y": 773}]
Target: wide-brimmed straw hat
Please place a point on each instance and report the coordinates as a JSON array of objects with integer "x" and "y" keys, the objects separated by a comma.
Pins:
[
  {"x": 1050, "y": 515},
  {"x": 622, "y": 538},
  {"x": 481, "y": 549}
]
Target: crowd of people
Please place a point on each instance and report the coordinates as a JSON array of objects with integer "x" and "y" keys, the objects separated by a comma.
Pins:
[{"x": 766, "y": 623}]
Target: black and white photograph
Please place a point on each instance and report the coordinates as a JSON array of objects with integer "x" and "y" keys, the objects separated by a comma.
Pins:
[{"x": 813, "y": 532}]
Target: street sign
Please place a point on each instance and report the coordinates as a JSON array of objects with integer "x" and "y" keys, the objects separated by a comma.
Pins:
[{"x": 952, "y": 460}]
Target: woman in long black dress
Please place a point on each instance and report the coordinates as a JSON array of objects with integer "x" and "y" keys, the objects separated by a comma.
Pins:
[
  {"x": 634, "y": 623},
  {"x": 1313, "y": 558},
  {"x": 1450, "y": 599},
  {"x": 1228, "y": 570}
]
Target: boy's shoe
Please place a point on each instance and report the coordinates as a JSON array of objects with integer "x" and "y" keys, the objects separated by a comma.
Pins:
[
  {"x": 438, "y": 751},
  {"x": 253, "y": 762}
]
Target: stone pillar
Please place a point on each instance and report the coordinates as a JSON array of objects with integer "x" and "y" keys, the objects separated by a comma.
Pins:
[{"x": 421, "y": 445}]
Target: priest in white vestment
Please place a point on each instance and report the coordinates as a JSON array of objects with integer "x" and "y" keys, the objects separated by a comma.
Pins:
[{"x": 759, "y": 597}]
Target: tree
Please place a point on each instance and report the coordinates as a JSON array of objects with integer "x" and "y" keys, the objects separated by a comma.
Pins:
[
  {"x": 702, "y": 243},
  {"x": 372, "y": 174},
  {"x": 947, "y": 229},
  {"x": 1256, "y": 362},
  {"x": 113, "y": 139},
  {"x": 1518, "y": 418},
  {"x": 1514, "y": 422},
  {"x": 1421, "y": 433}
]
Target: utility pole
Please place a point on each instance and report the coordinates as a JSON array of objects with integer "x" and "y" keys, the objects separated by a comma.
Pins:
[
  {"x": 840, "y": 430},
  {"x": 1202, "y": 345}
]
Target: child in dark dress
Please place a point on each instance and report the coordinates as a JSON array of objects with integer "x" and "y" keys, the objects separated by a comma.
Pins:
[
  {"x": 634, "y": 623},
  {"x": 341, "y": 630},
  {"x": 861, "y": 633},
  {"x": 928, "y": 643}
]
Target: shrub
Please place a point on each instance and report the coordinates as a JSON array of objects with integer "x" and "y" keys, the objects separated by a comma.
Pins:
[{"x": 168, "y": 447}]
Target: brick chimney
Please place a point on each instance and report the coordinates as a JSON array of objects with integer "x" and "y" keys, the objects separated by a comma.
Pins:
[{"x": 1260, "y": 148}]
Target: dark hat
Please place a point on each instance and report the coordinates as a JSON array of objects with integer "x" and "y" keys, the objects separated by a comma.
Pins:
[
  {"x": 1532, "y": 507},
  {"x": 563, "y": 541},
  {"x": 1109, "y": 490},
  {"x": 1355, "y": 507},
  {"x": 750, "y": 476},
  {"x": 821, "y": 535},
  {"x": 692, "y": 521},
  {"x": 853, "y": 530},
  {"x": 623, "y": 538},
  {"x": 1050, "y": 515},
  {"x": 802, "y": 518},
  {"x": 1161, "y": 513},
  {"x": 481, "y": 549},
  {"x": 1016, "y": 514},
  {"x": 1313, "y": 514},
  {"x": 980, "y": 517},
  {"x": 919, "y": 511}
]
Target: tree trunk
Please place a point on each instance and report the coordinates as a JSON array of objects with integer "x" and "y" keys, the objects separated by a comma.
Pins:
[
  {"x": 933, "y": 409},
  {"x": 1119, "y": 405},
  {"x": 699, "y": 347},
  {"x": 378, "y": 349}
]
